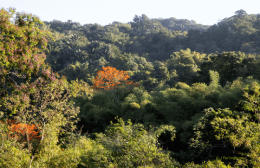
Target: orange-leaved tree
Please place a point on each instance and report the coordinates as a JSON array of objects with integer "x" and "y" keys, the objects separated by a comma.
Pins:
[
  {"x": 110, "y": 79},
  {"x": 22, "y": 132}
]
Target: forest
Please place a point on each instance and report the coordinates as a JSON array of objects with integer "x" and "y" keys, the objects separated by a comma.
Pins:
[{"x": 147, "y": 93}]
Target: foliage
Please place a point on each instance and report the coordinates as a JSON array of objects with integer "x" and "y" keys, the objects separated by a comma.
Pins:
[
  {"x": 234, "y": 133},
  {"x": 42, "y": 102},
  {"x": 77, "y": 71},
  {"x": 214, "y": 163},
  {"x": 177, "y": 84},
  {"x": 132, "y": 146},
  {"x": 111, "y": 77},
  {"x": 21, "y": 130},
  {"x": 229, "y": 65}
]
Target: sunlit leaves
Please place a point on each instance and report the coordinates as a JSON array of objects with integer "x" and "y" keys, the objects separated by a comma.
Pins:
[
  {"x": 110, "y": 78},
  {"x": 20, "y": 131},
  {"x": 228, "y": 131},
  {"x": 43, "y": 104}
]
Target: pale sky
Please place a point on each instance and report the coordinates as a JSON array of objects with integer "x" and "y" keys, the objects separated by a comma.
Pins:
[{"x": 104, "y": 12}]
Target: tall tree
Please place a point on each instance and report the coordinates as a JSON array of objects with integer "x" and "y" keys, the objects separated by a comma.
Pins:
[
  {"x": 41, "y": 102},
  {"x": 110, "y": 79}
]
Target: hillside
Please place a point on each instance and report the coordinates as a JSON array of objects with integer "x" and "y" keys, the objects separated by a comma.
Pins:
[{"x": 150, "y": 92}]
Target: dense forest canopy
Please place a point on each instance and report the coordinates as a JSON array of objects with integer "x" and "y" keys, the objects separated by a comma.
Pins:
[{"x": 193, "y": 95}]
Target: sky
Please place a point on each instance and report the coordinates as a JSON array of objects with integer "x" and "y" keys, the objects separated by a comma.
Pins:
[{"x": 104, "y": 12}]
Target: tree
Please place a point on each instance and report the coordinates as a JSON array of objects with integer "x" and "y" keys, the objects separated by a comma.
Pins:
[
  {"x": 185, "y": 63},
  {"x": 231, "y": 135},
  {"x": 132, "y": 146},
  {"x": 227, "y": 64},
  {"x": 44, "y": 101},
  {"x": 109, "y": 79},
  {"x": 21, "y": 130},
  {"x": 140, "y": 22},
  {"x": 240, "y": 12},
  {"x": 21, "y": 52},
  {"x": 228, "y": 135}
]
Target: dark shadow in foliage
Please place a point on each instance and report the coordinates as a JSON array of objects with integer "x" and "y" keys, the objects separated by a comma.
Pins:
[
  {"x": 151, "y": 114},
  {"x": 229, "y": 65}
]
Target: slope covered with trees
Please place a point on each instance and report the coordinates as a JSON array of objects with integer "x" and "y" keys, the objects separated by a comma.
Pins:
[{"x": 151, "y": 92}]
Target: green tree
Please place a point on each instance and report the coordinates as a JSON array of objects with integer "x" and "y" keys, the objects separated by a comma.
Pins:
[
  {"x": 228, "y": 64},
  {"x": 230, "y": 135},
  {"x": 132, "y": 146},
  {"x": 184, "y": 63}
]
